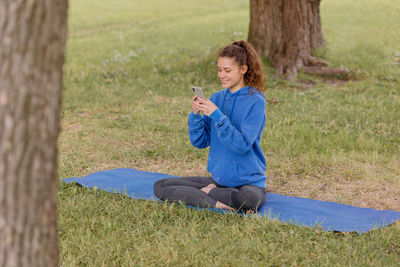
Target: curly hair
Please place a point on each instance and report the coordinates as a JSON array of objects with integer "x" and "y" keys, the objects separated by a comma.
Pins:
[{"x": 244, "y": 54}]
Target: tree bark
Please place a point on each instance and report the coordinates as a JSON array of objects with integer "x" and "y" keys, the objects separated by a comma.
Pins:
[
  {"x": 286, "y": 32},
  {"x": 32, "y": 44}
]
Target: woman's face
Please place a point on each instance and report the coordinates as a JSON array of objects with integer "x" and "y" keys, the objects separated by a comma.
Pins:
[{"x": 230, "y": 73}]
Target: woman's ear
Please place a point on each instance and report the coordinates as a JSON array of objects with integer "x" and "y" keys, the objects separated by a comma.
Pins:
[{"x": 244, "y": 69}]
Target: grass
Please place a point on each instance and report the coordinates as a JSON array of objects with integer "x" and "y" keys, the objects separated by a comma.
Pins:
[{"x": 129, "y": 68}]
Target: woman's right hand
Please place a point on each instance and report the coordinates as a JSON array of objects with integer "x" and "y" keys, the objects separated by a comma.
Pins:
[{"x": 195, "y": 108}]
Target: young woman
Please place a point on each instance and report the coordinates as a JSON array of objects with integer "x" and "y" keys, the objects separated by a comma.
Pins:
[{"x": 232, "y": 126}]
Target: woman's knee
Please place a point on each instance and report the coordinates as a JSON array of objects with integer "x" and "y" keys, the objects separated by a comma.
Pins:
[
  {"x": 158, "y": 188},
  {"x": 248, "y": 197}
]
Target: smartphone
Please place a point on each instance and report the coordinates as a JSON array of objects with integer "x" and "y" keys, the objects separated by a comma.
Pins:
[{"x": 198, "y": 91}]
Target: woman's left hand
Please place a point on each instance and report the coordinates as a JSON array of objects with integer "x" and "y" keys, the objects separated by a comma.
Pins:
[{"x": 206, "y": 105}]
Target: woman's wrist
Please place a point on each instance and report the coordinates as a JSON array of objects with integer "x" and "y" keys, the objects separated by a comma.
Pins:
[
  {"x": 216, "y": 115},
  {"x": 193, "y": 113}
]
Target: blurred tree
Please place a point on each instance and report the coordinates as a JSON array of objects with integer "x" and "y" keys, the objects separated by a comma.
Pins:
[
  {"x": 286, "y": 32},
  {"x": 32, "y": 44}
]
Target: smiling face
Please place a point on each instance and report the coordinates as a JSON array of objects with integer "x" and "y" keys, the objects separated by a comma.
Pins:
[{"x": 230, "y": 73}]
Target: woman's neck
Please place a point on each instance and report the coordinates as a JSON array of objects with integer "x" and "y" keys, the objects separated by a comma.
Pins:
[{"x": 237, "y": 87}]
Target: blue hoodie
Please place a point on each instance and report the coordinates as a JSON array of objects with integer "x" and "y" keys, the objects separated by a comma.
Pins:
[{"x": 233, "y": 132}]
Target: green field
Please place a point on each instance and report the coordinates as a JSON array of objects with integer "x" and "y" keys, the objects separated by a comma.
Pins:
[{"x": 126, "y": 97}]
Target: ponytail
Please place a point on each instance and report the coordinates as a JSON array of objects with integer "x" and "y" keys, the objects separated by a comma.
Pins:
[{"x": 244, "y": 54}]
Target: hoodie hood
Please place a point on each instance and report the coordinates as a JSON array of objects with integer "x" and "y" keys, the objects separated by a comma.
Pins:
[{"x": 229, "y": 99}]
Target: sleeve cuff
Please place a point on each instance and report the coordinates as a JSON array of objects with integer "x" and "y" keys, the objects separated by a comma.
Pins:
[
  {"x": 217, "y": 115},
  {"x": 194, "y": 117}
]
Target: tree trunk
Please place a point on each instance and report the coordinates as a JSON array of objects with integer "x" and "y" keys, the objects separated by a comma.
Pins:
[
  {"x": 32, "y": 44},
  {"x": 286, "y": 32}
]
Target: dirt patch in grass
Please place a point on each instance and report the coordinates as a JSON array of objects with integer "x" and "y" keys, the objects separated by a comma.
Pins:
[
  {"x": 367, "y": 193},
  {"x": 172, "y": 167},
  {"x": 346, "y": 178},
  {"x": 303, "y": 85}
]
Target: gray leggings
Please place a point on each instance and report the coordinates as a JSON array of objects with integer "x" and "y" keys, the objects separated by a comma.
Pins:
[{"x": 187, "y": 190}]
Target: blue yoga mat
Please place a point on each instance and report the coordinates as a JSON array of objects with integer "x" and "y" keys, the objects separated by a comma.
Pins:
[{"x": 299, "y": 211}]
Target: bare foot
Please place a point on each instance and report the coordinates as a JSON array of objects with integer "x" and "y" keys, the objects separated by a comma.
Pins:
[
  {"x": 208, "y": 188},
  {"x": 220, "y": 205}
]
